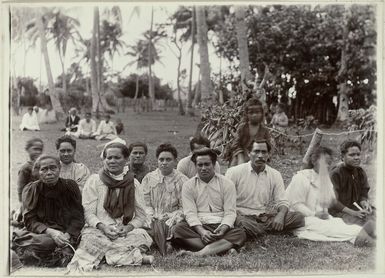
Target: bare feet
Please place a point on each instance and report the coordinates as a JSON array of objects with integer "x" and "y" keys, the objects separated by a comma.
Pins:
[
  {"x": 148, "y": 259},
  {"x": 183, "y": 253}
]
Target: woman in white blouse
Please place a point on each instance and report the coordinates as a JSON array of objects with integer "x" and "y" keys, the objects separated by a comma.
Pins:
[{"x": 114, "y": 212}]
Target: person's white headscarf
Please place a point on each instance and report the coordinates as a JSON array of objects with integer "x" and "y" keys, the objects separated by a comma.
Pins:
[{"x": 116, "y": 140}]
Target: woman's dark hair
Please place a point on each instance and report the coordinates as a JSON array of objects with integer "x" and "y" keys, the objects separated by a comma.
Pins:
[
  {"x": 166, "y": 147},
  {"x": 346, "y": 145},
  {"x": 120, "y": 146},
  {"x": 137, "y": 144},
  {"x": 200, "y": 140},
  {"x": 65, "y": 139},
  {"x": 32, "y": 142},
  {"x": 36, "y": 165}
]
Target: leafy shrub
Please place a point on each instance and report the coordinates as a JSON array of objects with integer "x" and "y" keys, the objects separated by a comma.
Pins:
[{"x": 362, "y": 119}]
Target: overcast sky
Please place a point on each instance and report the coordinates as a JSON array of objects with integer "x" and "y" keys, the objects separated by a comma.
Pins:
[{"x": 132, "y": 32}]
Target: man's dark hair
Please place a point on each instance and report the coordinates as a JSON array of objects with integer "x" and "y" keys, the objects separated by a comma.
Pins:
[
  {"x": 166, "y": 147},
  {"x": 317, "y": 152},
  {"x": 120, "y": 146},
  {"x": 259, "y": 141},
  {"x": 137, "y": 144},
  {"x": 346, "y": 145},
  {"x": 205, "y": 151},
  {"x": 200, "y": 140},
  {"x": 65, "y": 138}
]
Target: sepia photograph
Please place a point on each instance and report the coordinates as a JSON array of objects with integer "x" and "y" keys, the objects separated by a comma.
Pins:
[{"x": 155, "y": 138}]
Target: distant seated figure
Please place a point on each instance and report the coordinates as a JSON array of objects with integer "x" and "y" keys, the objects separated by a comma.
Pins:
[
  {"x": 280, "y": 120},
  {"x": 137, "y": 158},
  {"x": 119, "y": 126},
  {"x": 66, "y": 148},
  {"x": 86, "y": 128},
  {"x": 311, "y": 193},
  {"x": 351, "y": 186},
  {"x": 106, "y": 129},
  {"x": 53, "y": 217},
  {"x": 262, "y": 205},
  {"x": 186, "y": 166},
  {"x": 251, "y": 127},
  {"x": 29, "y": 121},
  {"x": 72, "y": 121},
  {"x": 209, "y": 206}
]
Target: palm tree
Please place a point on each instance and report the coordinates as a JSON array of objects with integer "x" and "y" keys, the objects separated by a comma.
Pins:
[
  {"x": 206, "y": 90},
  {"x": 241, "y": 31},
  {"x": 40, "y": 19},
  {"x": 64, "y": 29},
  {"x": 178, "y": 43}
]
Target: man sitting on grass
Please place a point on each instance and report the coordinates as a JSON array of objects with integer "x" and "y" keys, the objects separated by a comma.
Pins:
[
  {"x": 138, "y": 152},
  {"x": 352, "y": 187},
  {"x": 86, "y": 128},
  {"x": 186, "y": 166},
  {"x": 208, "y": 201},
  {"x": 262, "y": 205}
]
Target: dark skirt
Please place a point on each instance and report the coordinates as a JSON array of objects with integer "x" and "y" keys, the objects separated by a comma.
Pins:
[{"x": 39, "y": 249}]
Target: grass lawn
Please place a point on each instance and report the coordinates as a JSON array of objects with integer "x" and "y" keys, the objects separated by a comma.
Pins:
[{"x": 269, "y": 254}]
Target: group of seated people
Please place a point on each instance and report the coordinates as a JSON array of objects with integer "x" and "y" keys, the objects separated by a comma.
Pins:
[
  {"x": 71, "y": 217},
  {"x": 86, "y": 128},
  {"x": 79, "y": 128}
]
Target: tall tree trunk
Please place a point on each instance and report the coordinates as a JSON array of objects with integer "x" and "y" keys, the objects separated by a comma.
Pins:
[
  {"x": 206, "y": 91},
  {"x": 221, "y": 100},
  {"x": 43, "y": 42},
  {"x": 64, "y": 83},
  {"x": 343, "y": 107},
  {"x": 150, "y": 59},
  {"x": 190, "y": 109},
  {"x": 136, "y": 102},
  {"x": 241, "y": 31},
  {"x": 94, "y": 71},
  {"x": 181, "y": 110}
]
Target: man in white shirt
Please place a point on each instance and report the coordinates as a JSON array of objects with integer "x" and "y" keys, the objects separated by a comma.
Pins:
[
  {"x": 86, "y": 128},
  {"x": 186, "y": 166},
  {"x": 208, "y": 201},
  {"x": 262, "y": 205}
]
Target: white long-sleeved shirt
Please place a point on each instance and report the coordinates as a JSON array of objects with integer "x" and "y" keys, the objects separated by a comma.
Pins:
[
  {"x": 86, "y": 127},
  {"x": 209, "y": 203},
  {"x": 257, "y": 193},
  {"x": 94, "y": 193},
  {"x": 106, "y": 128},
  {"x": 303, "y": 192}
]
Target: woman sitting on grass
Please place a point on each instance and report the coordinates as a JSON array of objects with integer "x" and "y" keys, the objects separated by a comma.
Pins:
[
  {"x": 114, "y": 212},
  {"x": 162, "y": 193},
  {"x": 66, "y": 148},
  {"x": 53, "y": 217},
  {"x": 311, "y": 193}
]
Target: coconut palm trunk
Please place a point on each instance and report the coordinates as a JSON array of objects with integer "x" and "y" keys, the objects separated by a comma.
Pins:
[
  {"x": 241, "y": 31},
  {"x": 94, "y": 71},
  {"x": 206, "y": 90},
  {"x": 189, "y": 108},
  {"x": 43, "y": 42},
  {"x": 150, "y": 59}
]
